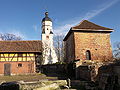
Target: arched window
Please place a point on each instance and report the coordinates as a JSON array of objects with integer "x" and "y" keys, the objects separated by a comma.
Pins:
[{"x": 88, "y": 55}]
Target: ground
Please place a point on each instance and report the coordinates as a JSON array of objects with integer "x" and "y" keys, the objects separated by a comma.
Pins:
[
  {"x": 32, "y": 77},
  {"x": 29, "y": 82}
]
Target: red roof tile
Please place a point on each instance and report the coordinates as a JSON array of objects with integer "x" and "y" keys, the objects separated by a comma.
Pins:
[
  {"x": 87, "y": 25},
  {"x": 21, "y": 46}
]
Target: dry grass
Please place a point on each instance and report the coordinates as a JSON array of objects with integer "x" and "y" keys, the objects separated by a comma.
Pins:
[{"x": 32, "y": 77}]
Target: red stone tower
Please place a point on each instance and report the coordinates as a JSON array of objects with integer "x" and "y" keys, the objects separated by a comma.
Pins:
[{"x": 88, "y": 41}]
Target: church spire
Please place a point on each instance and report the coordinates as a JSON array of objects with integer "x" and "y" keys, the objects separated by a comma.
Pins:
[
  {"x": 46, "y": 18},
  {"x": 47, "y": 39},
  {"x": 46, "y": 14}
]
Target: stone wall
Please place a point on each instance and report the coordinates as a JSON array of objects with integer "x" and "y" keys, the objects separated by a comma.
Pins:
[
  {"x": 54, "y": 68},
  {"x": 109, "y": 77},
  {"x": 86, "y": 73},
  {"x": 36, "y": 85},
  {"x": 97, "y": 43},
  {"x": 69, "y": 49}
]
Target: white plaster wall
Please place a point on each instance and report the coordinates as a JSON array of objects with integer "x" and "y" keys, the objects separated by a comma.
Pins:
[{"x": 49, "y": 55}]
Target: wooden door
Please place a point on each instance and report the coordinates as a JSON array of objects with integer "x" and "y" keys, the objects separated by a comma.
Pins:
[
  {"x": 30, "y": 68},
  {"x": 7, "y": 69}
]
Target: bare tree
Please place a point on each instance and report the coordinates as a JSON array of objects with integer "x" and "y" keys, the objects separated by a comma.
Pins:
[
  {"x": 58, "y": 43},
  {"x": 9, "y": 37},
  {"x": 117, "y": 51}
]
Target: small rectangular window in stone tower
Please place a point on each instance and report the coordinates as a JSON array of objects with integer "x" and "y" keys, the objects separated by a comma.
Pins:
[{"x": 88, "y": 55}]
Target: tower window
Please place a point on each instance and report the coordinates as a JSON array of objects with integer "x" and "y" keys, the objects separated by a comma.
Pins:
[
  {"x": 88, "y": 55},
  {"x": 43, "y": 31},
  {"x": 47, "y": 37},
  {"x": 47, "y": 28}
]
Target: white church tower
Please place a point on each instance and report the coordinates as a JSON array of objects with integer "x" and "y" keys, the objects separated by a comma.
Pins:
[{"x": 49, "y": 55}]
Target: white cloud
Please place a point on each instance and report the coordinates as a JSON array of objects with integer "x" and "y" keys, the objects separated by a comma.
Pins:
[
  {"x": 35, "y": 27},
  {"x": 92, "y": 13}
]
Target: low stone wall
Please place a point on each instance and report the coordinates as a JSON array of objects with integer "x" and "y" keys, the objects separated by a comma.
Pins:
[
  {"x": 42, "y": 85},
  {"x": 36, "y": 85},
  {"x": 109, "y": 77},
  {"x": 53, "y": 86},
  {"x": 86, "y": 73},
  {"x": 54, "y": 68}
]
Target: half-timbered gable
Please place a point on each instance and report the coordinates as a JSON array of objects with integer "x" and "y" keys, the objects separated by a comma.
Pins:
[{"x": 20, "y": 57}]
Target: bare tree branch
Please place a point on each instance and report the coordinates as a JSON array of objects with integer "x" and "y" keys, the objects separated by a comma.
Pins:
[
  {"x": 117, "y": 51},
  {"x": 9, "y": 37},
  {"x": 58, "y": 43}
]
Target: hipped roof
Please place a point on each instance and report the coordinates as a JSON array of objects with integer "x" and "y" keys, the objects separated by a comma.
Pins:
[
  {"x": 87, "y": 26},
  {"x": 21, "y": 46}
]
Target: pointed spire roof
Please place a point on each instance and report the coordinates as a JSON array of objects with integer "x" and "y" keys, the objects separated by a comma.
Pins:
[{"x": 87, "y": 25}]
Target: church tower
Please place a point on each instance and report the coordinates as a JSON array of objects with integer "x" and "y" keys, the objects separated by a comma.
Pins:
[{"x": 49, "y": 55}]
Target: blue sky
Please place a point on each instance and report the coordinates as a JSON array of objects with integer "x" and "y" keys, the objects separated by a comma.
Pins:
[{"x": 23, "y": 17}]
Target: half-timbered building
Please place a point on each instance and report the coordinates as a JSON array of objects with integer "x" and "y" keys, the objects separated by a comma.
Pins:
[{"x": 19, "y": 57}]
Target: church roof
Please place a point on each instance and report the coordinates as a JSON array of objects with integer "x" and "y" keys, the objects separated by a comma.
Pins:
[
  {"x": 87, "y": 25},
  {"x": 46, "y": 18},
  {"x": 21, "y": 46}
]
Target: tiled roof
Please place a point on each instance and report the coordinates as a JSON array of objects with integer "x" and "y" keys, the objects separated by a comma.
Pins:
[
  {"x": 87, "y": 25},
  {"x": 21, "y": 46}
]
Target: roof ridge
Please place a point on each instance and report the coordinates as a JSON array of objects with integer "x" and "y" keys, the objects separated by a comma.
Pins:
[
  {"x": 98, "y": 25},
  {"x": 18, "y": 46},
  {"x": 18, "y": 40},
  {"x": 85, "y": 24},
  {"x": 78, "y": 23}
]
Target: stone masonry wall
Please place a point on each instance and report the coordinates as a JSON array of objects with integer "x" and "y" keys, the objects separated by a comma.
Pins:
[
  {"x": 69, "y": 49},
  {"x": 97, "y": 43},
  {"x": 109, "y": 77}
]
